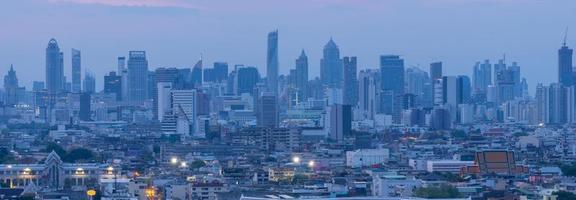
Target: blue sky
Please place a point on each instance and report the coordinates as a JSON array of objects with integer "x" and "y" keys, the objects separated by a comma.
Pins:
[{"x": 176, "y": 32}]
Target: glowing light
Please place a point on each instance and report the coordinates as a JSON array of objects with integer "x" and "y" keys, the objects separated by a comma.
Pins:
[
  {"x": 91, "y": 192},
  {"x": 311, "y": 163},
  {"x": 183, "y": 164},
  {"x": 296, "y": 159},
  {"x": 9, "y": 166},
  {"x": 174, "y": 160}
]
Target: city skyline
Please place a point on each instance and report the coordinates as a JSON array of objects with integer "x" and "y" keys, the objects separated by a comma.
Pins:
[{"x": 368, "y": 43}]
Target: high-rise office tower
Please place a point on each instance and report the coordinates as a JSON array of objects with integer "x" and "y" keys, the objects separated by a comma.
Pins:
[
  {"x": 340, "y": 122},
  {"x": 350, "y": 81},
  {"x": 302, "y": 76},
  {"x": 331, "y": 66},
  {"x": 54, "y": 68},
  {"x": 185, "y": 102},
  {"x": 482, "y": 77},
  {"x": 416, "y": 83},
  {"x": 163, "y": 100},
  {"x": 267, "y": 110},
  {"x": 113, "y": 85},
  {"x": 89, "y": 82},
  {"x": 85, "y": 112},
  {"x": 369, "y": 84},
  {"x": 464, "y": 89},
  {"x": 220, "y": 71},
  {"x": 272, "y": 62},
  {"x": 137, "y": 77},
  {"x": 392, "y": 72},
  {"x": 565, "y": 73},
  {"x": 436, "y": 70},
  {"x": 11, "y": 88},
  {"x": 76, "y": 70},
  {"x": 247, "y": 79},
  {"x": 123, "y": 72},
  {"x": 197, "y": 75}
]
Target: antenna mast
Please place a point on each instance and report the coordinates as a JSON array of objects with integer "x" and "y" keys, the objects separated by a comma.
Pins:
[{"x": 565, "y": 36}]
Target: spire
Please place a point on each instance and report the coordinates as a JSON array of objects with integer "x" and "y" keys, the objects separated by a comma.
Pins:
[
  {"x": 11, "y": 67},
  {"x": 331, "y": 44},
  {"x": 303, "y": 54},
  {"x": 565, "y": 37}
]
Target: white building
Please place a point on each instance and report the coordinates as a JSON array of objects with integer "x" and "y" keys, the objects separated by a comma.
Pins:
[
  {"x": 452, "y": 166},
  {"x": 392, "y": 185},
  {"x": 366, "y": 157}
]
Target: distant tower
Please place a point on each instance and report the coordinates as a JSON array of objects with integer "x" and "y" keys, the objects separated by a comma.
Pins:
[
  {"x": 11, "y": 87},
  {"x": 392, "y": 72},
  {"x": 113, "y": 85},
  {"x": 272, "y": 62},
  {"x": 268, "y": 110},
  {"x": 76, "y": 70},
  {"x": 350, "y": 81},
  {"x": 565, "y": 73},
  {"x": 137, "y": 77},
  {"x": 302, "y": 76},
  {"x": 89, "y": 82},
  {"x": 436, "y": 70},
  {"x": 54, "y": 68},
  {"x": 331, "y": 66}
]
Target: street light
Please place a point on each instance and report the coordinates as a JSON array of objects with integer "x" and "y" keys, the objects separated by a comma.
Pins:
[
  {"x": 150, "y": 193},
  {"x": 296, "y": 159},
  {"x": 311, "y": 164},
  {"x": 174, "y": 160},
  {"x": 183, "y": 164}
]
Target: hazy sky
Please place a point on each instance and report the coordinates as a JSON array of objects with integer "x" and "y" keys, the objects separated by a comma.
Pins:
[{"x": 176, "y": 32}]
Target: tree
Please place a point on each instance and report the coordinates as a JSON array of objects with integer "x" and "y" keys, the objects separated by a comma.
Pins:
[
  {"x": 197, "y": 164},
  {"x": 563, "y": 195},
  {"x": 5, "y": 155},
  {"x": 441, "y": 192},
  {"x": 569, "y": 170},
  {"x": 56, "y": 148},
  {"x": 78, "y": 154}
]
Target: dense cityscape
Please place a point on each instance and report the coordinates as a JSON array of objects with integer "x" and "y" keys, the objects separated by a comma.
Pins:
[{"x": 218, "y": 131}]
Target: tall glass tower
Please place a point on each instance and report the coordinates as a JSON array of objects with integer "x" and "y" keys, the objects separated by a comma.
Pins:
[
  {"x": 54, "y": 68},
  {"x": 137, "y": 77},
  {"x": 565, "y": 75},
  {"x": 331, "y": 66},
  {"x": 76, "y": 70},
  {"x": 272, "y": 62}
]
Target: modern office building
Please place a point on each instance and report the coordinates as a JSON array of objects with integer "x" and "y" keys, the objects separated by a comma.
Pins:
[
  {"x": 340, "y": 122},
  {"x": 76, "y": 70},
  {"x": 137, "y": 77},
  {"x": 565, "y": 71},
  {"x": 247, "y": 78},
  {"x": 54, "y": 68},
  {"x": 267, "y": 110},
  {"x": 113, "y": 85},
  {"x": 331, "y": 70},
  {"x": 369, "y": 84},
  {"x": 392, "y": 82},
  {"x": 302, "y": 76},
  {"x": 272, "y": 63},
  {"x": 89, "y": 82},
  {"x": 350, "y": 82},
  {"x": 12, "y": 92}
]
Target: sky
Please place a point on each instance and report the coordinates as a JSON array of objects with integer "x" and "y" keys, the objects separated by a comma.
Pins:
[{"x": 176, "y": 32}]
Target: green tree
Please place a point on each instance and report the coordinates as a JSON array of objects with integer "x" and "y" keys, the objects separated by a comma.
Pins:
[
  {"x": 56, "y": 148},
  {"x": 5, "y": 156},
  {"x": 569, "y": 170},
  {"x": 441, "y": 192},
  {"x": 197, "y": 164},
  {"x": 78, "y": 154},
  {"x": 563, "y": 195}
]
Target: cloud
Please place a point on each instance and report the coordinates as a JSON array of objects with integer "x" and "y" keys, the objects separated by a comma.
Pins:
[{"x": 134, "y": 3}]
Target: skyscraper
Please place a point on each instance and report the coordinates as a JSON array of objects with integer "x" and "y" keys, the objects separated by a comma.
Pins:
[
  {"x": 482, "y": 77},
  {"x": 113, "y": 85},
  {"x": 340, "y": 122},
  {"x": 54, "y": 68},
  {"x": 267, "y": 110},
  {"x": 369, "y": 88},
  {"x": 350, "y": 81},
  {"x": 331, "y": 66},
  {"x": 123, "y": 72},
  {"x": 565, "y": 73},
  {"x": 392, "y": 72},
  {"x": 272, "y": 62},
  {"x": 197, "y": 74},
  {"x": 247, "y": 79},
  {"x": 85, "y": 112},
  {"x": 302, "y": 76},
  {"x": 11, "y": 89},
  {"x": 436, "y": 70},
  {"x": 76, "y": 70},
  {"x": 89, "y": 82},
  {"x": 137, "y": 77},
  {"x": 220, "y": 71}
]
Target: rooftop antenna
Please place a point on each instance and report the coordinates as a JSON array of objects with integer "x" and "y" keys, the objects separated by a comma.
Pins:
[{"x": 565, "y": 36}]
